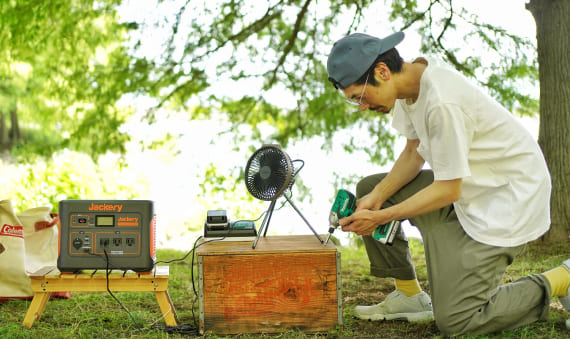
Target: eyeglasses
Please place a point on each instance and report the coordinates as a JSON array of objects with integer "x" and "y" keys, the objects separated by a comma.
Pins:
[{"x": 359, "y": 102}]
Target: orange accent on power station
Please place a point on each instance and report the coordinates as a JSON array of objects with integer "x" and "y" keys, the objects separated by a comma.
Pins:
[{"x": 153, "y": 238}]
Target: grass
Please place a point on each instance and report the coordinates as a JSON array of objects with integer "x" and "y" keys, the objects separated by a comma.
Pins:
[{"x": 97, "y": 315}]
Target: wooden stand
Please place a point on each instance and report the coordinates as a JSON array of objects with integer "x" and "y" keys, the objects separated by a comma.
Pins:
[
  {"x": 286, "y": 282},
  {"x": 49, "y": 279}
]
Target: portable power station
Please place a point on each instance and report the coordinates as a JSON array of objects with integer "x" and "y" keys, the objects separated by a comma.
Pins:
[{"x": 101, "y": 234}]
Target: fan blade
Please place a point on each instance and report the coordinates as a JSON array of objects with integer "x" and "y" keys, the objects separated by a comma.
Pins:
[
  {"x": 268, "y": 173},
  {"x": 273, "y": 159},
  {"x": 264, "y": 189},
  {"x": 258, "y": 183}
]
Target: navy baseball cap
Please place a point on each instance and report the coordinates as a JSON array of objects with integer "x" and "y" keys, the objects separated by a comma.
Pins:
[{"x": 351, "y": 56}]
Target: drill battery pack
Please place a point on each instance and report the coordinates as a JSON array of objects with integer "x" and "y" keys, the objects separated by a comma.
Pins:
[{"x": 387, "y": 232}]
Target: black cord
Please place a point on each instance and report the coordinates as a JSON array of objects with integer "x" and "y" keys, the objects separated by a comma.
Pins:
[
  {"x": 300, "y": 168},
  {"x": 107, "y": 272},
  {"x": 189, "y": 329},
  {"x": 192, "y": 270},
  {"x": 192, "y": 279},
  {"x": 186, "y": 329},
  {"x": 183, "y": 258}
]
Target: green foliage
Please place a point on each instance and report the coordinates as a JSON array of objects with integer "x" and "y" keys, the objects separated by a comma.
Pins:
[
  {"x": 69, "y": 175},
  {"x": 70, "y": 77},
  {"x": 260, "y": 48},
  {"x": 63, "y": 68},
  {"x": 497, "y": 59},
  {"x": 68, "y": 66},
  {"x": 219, "y": 189}
]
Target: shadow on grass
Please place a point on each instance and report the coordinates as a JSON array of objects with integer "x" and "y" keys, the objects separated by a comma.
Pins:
[{"x": 97, "y": 315}]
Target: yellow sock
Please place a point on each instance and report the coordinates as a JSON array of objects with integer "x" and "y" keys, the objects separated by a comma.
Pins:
[
  {"x": 409, "y": 287},
  {"x": 559, "y": 279}
]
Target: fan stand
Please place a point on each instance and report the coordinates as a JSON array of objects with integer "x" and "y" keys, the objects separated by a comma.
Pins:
[{"x": 265, "y": 223}]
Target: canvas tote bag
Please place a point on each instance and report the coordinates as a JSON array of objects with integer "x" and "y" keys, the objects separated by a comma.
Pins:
[
  {"x": 14, "y": 282},
  {"x": 40, "y": 237}
]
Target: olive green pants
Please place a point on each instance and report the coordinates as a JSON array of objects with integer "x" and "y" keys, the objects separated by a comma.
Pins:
[{"x": 463, "y": 274}]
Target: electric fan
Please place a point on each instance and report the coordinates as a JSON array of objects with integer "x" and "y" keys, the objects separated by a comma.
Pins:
[{"x": 268, "y": 174}]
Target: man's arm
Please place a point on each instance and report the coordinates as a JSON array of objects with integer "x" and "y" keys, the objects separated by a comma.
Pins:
[
  {"x": 405, "y": 169},
  {"x": 439, "y": 194}
]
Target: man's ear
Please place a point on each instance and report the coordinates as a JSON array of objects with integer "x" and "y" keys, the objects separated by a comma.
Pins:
[{"x": 381, "y": 71}]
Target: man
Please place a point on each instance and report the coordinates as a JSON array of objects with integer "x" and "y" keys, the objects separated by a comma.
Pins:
[{"x": 486, "y": 195}]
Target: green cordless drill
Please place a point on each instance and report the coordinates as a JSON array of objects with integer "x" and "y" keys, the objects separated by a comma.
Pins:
[{"x": 344, "y": 205}]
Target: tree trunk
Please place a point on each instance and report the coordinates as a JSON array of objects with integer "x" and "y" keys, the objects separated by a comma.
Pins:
[
  {"x": 3, "y": 134},
  {"x": 14, "y": 127},
  {"x": 553, "y": 43}
]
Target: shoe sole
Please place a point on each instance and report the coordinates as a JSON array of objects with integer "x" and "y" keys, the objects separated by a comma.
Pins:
[{"x": 409, "y": 317}]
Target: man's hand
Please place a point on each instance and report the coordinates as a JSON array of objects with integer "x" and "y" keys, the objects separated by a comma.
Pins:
[
  {"x": 364, "y": 221},
  {"x": 371, "y": 201}
]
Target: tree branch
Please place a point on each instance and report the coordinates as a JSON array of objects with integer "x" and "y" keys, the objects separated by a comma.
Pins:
[
  {"x": 291, "y": 41},
  {"x": 438, "y": 42},
  {"x": 418, "y": 17},
  {"x": 253, "y": 28}
]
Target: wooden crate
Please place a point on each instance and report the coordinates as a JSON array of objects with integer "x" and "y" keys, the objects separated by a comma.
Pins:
[{"x": 285, "y": 282}]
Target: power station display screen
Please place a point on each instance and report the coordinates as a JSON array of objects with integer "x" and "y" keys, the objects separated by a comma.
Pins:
[{"x": 105, "y": 220}]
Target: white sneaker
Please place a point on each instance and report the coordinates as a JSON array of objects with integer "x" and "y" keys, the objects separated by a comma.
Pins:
[
  {"x": 565, "y": 301},
  {"x": 398, "y": 306}
]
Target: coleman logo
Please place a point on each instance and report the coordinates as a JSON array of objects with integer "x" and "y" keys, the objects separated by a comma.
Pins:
[
  {"x": 106, "y": 207},
  {"x": 12, "y": 231}
]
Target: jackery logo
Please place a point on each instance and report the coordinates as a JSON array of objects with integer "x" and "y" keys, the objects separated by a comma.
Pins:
[
  {"x": 12, "y": 231},
  {"x": 106, "y": 207}
]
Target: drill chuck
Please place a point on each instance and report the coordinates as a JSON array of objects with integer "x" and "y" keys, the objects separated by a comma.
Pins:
[{"x": 344, "y": 205}]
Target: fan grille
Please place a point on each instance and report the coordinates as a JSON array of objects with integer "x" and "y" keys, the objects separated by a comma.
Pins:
[{"x": 268, "y": 173}]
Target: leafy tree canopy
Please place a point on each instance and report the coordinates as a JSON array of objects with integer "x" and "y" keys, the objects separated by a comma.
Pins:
[
  {"x": 268, "y": 47},
  {"x": 63, "y": 68},
  {"x": 66, "y": 64}
]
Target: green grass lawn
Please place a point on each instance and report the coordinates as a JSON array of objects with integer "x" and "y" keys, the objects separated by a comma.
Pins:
[{"x": 98, "y": 315}]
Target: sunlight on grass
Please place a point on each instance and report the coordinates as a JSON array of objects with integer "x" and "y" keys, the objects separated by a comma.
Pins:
[{"x": 88, "y": 315}]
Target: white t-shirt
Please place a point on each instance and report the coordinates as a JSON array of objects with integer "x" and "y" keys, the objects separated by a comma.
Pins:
[{"x": 464, "y": 133}]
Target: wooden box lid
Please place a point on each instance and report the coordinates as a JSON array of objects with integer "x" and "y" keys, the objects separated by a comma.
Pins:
[{"x": 271, "y": 244}]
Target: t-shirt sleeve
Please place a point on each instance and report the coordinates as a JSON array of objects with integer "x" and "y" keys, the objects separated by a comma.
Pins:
[
  {"x": 450, "y": 136},
  {"x": 402, "y": 123}
]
